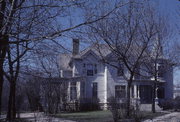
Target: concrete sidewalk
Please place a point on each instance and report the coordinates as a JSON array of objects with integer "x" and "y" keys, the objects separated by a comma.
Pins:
[
  {"x": 39, "y": 117},
  {"x": 171, "y": 117}
]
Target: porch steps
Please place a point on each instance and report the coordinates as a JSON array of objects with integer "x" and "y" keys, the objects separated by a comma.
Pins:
[{"x": 148, "y": 107}]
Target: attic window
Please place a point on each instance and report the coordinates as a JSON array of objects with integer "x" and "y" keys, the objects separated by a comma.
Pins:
[{"x": 91, "y": 69}]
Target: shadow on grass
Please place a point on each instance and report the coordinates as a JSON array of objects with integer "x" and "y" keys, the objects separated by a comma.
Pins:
[
  {"x": 101, "y": 116},
  {"x": 16, "y": 120},
  {"x": 93, "y": 116}
]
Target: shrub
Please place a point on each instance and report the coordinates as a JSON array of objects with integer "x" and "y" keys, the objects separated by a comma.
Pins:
[
  {"x": 177, "y": 103},
  {"x": 85, "y": 105},
  {"x": 119, "y": 110},
  {"x": 167, "y": 104}
]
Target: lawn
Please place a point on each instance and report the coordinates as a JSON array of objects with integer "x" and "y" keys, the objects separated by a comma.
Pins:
[
  {"x": 93, "y": 116},
  {"x": 101, "y": 116}
]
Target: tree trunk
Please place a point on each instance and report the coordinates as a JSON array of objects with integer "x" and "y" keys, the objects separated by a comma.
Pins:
[
  {"x": 2, "y": 57},
  {"x": 9, "y": 113},
  {"x": 12, "y": 103},
  {"x": 1, "y": 84},
  {"x": 128, "y": 100},
  {"x": 2, "y": 49},
  {"x": 153, "y": 97}
]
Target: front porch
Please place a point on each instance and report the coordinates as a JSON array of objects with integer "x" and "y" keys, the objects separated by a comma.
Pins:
[{"x": 143, "y": 91}]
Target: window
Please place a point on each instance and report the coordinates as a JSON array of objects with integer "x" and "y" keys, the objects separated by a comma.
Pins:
[
  {"x": 91, "y": 69},
  {"x": 120, "y": 91},
  {"x": 95, "y": 69},
  {"x": 84, "y": 65},
  {"x": 73, "y": 91},
  {"x": 120, "y": 70},
  {"x": 94, "y": 91},
  {"x": 160, "y": 70}
]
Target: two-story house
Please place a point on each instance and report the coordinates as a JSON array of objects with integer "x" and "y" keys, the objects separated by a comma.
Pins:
[{"x": 102, "y": 81}]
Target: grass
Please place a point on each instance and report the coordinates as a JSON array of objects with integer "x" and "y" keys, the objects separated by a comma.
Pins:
[
  {"x": 16, "y": 120},
  {"x": 97, "y": 116},
  {"x": 93, "y": 116},
  {"x": 101, "y": 116}
]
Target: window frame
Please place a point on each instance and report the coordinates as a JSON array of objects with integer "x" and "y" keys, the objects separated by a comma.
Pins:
[
  {"x": 91, "y": 69},
  {"x": 120, "y": 91}
]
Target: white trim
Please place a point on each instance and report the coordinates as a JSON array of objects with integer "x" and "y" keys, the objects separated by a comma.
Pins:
[{"x": 105, "y": 85}]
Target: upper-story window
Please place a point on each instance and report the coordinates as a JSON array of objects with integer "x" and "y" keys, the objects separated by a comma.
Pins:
[
  {"x": 160, "y": 70},
  {"x": 91, "y": 69},
  {"x": 120, "y": 70},
  {"x": 120, "y": 91}
]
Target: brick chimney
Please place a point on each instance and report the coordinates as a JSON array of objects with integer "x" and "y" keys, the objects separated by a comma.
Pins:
[{"x": 75, "y": 47}]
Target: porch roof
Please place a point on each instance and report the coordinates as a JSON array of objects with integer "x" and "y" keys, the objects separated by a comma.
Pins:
[{"x": 149, "y": 81}]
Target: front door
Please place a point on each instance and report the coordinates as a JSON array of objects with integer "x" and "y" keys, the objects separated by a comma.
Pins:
[{"x": 145, "y": 94}]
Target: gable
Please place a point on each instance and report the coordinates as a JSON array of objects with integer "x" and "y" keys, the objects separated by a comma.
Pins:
[{"x": 90, "y": 55}]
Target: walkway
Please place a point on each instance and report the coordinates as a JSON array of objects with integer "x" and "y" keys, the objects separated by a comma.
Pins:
[
  {"x": 40, "y": 117},
  {"x": 172, "y": 117}
]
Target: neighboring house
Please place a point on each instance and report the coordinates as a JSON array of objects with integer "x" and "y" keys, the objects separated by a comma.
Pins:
[{"x": 102, "y": 81}]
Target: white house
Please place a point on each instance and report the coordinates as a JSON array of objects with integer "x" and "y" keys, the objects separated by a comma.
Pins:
[{"x": 102, "y": 81}]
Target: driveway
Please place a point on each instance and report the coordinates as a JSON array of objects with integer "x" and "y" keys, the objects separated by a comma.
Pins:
[{"x": 172, "y": 117}]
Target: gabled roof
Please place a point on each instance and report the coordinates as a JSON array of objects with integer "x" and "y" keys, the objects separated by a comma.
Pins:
[
  {"x": 101, "y": 50},
  {"x": 98, "y": 50}
]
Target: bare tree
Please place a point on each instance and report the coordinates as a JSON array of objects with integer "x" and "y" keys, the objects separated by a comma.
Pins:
[
  {"x": 128, "y": 33},
  {"x": 32, "y": 91},
  {"x": 22, "y": 24},
  {"x": 152, "y": 65},
  {"x": 53, "y": 91},
  {"x": 12, "y": 76}
]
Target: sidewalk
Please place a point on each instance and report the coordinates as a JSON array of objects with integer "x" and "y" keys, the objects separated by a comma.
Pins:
[
  {"x": 40, "y": 117},
  {"x": 172, "y": 117}
]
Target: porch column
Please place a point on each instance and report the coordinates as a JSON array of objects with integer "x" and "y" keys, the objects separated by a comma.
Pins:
[
  {"x": 131, "y": 92},
  {"x": 105, "y": 88},
  {"x": 138, "y": 89},
  {"x": 135, "y": 91},
  {"x": 78, "y": 89},
  {"x": 156, "y": 94},
  {"x": 61, "y": 73},
  {"x": 68, "y": 91}
]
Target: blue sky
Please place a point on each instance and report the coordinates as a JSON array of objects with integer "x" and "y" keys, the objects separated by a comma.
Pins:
[{"x": 171, "y": 8}]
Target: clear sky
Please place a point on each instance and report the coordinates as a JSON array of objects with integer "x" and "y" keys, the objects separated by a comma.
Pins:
[{"x": 171, "y": 8}]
